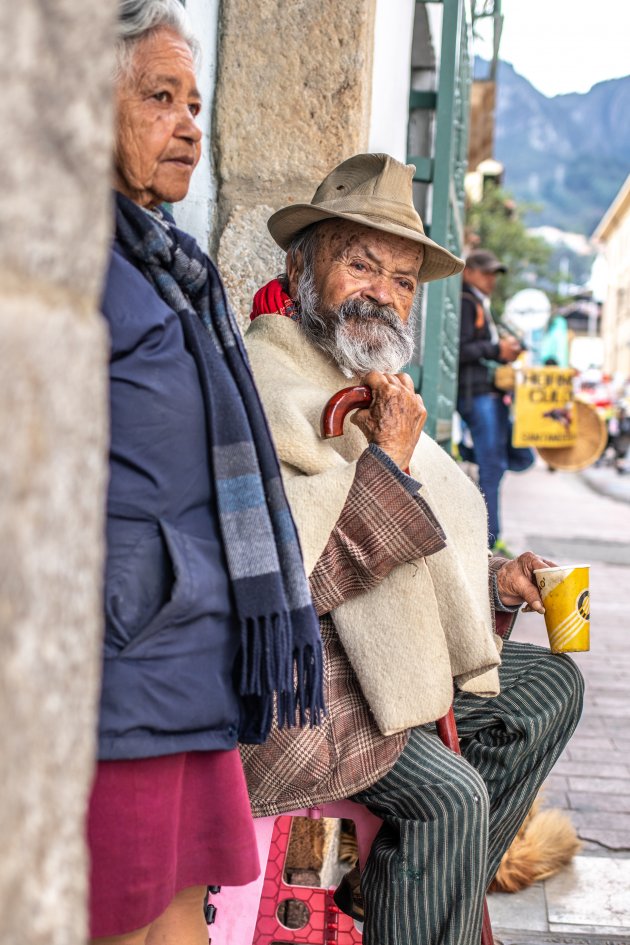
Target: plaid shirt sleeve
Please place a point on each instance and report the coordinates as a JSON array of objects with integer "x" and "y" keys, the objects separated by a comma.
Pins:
[{"x": 383, "y": 523}]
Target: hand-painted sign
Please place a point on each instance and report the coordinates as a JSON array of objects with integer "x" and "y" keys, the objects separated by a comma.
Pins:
[{"x": 544, "y": 414}]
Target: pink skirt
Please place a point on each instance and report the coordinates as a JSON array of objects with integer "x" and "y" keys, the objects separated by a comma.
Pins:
[{"x": 159, "y": 825}]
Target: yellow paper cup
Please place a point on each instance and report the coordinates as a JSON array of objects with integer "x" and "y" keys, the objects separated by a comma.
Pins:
[{"x": 565, "y": 597}]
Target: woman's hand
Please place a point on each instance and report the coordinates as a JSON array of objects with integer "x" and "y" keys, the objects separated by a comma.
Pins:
[
  {"x": 516, "y": 581},
  {"x": 395, "y": 418}
]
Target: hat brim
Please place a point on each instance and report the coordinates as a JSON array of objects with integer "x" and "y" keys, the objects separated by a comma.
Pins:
[
  {"x": 589, "y": 444},
  {"x": 438, "y": 263}
]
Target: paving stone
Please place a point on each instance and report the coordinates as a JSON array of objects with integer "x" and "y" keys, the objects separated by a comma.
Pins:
[
  {"x": 525, "y": 910},
  {"x": 594, "y": 936},
  {"x": 597, "y": 785},
  {"x": 610, "y": 699},
  {"x": 511, "y": 937},
  {"x": 593, "y": 725},
  {"x": 582, "y": 740},
  {"x": 585, "y": 801},
  {"x": 559, "y": 799},
  {"x": 592, "y": 893},
  {"x": 607, "y": 820},
  {"x": 592, "y": 769},
  {"x": 610, "y": 841},
  {"x": 609, "y": 681},
  {"x": 595, "y": 754}
]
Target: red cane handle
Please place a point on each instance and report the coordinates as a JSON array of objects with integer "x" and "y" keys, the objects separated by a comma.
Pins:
[
  {"x": 447, "y": 731},
  {"x": 339, "y": 405}
]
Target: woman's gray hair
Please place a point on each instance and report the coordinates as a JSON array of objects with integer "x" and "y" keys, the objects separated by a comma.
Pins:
[{"x": 139, "y": 18}]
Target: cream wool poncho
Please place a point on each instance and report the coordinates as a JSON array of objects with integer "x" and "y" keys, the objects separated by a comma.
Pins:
[{"x": 428, "y": 621}]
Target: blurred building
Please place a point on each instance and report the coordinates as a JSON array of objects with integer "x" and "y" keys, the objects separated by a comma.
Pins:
[
  {"x": 613, "y": 233},
  {"x": 582, "y": 315}
]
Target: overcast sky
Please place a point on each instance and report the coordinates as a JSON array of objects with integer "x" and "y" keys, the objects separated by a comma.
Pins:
[{"x": 566, "y": 45}]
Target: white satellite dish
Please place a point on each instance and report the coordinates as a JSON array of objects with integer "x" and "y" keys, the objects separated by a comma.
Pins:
[{"x": 528, "y": 310}]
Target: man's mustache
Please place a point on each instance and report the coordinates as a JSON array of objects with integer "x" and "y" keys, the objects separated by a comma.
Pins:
[{"x": 362, "y": 309}]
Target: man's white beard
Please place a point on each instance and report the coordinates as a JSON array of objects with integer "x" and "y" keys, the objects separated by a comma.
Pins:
[{"x": 358, "y": 335}]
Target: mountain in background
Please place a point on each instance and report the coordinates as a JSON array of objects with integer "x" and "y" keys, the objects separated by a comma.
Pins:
[{"x": 568, "y": 154}]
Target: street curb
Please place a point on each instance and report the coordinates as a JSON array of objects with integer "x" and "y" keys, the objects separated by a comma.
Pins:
[{"x": 618, "y": 492}]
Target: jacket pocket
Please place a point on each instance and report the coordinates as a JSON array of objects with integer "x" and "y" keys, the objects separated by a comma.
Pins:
[
  {"x": 168, "y": 582},
  {"x": 152, "y": 590}
]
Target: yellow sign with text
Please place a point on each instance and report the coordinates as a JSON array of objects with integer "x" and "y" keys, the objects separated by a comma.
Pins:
[{"x": 544, "y": 413}]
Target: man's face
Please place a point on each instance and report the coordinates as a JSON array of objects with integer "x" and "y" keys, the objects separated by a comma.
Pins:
[
  {"x": 356, "y": 262},
  {"x": 357, "y": 299},
  {"x": 484, "y": 281}
]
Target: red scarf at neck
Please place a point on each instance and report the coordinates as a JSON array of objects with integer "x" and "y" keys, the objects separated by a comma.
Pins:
[{"x": 273, "y": 300}]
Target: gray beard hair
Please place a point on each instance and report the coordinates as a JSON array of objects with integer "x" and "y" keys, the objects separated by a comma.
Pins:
[{"x": 358, "y": 335}]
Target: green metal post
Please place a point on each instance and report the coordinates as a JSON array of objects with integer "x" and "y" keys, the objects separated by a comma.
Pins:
[
  {"x": 436, "y": 375},
  {"x": 441, "y": 344}
]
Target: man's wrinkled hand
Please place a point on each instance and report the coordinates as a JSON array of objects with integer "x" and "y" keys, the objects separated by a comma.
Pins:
[
  {"x": 395, "y": 418},
  {"x": 516, "y": 581}
]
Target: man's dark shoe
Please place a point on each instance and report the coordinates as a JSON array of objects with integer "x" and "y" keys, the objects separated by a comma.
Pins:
[{"x": 347, "y": 895}]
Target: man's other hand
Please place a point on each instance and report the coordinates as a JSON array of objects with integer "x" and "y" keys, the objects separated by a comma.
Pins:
[
  {"x": 509, "y": 349},
  {"x": 516, "y": 581},
  {"x": 395, "y": 418}
]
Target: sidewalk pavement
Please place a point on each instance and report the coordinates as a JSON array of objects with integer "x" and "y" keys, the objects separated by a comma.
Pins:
[
  {"x": 607, "y": 481},
  {"x": 561, "y": 517}
]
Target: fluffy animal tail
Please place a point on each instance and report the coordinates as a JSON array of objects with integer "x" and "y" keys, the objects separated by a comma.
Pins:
[{"x": 545, "y": 844}]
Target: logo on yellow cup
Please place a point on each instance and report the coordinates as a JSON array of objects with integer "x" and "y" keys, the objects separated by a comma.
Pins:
[{"x": 583, "y": 605}]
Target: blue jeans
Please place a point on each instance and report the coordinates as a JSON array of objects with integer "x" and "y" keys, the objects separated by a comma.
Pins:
[{"x": 488, "y": 420}]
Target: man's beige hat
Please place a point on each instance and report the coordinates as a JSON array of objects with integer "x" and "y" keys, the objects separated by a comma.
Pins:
[{"x": 374, "y": 190}]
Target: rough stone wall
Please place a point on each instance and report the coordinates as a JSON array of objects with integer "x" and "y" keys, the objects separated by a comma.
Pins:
[
  {"x": 55, "y": 121},
  {"x": 293, "y": 99}
]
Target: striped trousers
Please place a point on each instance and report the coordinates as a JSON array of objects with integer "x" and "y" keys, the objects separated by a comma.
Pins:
[{"x": 448, "y": 819}]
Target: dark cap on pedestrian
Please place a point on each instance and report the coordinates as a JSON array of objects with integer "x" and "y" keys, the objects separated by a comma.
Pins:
[{"x": 484, "y": 260}]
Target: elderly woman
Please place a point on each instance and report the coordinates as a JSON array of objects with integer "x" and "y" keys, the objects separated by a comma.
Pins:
[{"x": 208, "y": 615}]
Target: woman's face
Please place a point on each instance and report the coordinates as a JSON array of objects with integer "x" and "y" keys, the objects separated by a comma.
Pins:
[{"x": 158, "y": 142}]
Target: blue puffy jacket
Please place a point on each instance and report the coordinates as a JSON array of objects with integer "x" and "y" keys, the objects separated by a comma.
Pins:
[{"x": 170, "y": 639}]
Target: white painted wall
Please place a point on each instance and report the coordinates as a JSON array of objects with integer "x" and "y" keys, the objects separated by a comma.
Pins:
[
  {"x": 195, "y": 214},
  {"x": 391, "y": 73}
]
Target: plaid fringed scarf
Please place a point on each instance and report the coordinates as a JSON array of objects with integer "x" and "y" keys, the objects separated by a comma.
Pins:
[{"x": 281, "y": 647}]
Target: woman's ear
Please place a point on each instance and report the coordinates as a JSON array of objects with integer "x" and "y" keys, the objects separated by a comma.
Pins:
[{"x": 295, "y": 268}]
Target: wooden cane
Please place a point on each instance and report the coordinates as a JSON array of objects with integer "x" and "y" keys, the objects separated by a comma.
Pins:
[{"x": 333, "y": 416}]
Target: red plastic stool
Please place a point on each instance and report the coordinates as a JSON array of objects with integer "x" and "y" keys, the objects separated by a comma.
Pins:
[{"x": 249, "y": 915}]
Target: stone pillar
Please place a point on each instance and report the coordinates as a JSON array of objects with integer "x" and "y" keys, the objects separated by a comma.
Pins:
[
  {"x": 55, "y": 121},
  {"x": 293, "y": 99}
]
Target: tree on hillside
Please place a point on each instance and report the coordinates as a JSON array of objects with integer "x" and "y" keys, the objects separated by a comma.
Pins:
[{"x": 495, "y": 223}]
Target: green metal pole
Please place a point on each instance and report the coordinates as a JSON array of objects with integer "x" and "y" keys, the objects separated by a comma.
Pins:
[{"x": 441, "y": 348}]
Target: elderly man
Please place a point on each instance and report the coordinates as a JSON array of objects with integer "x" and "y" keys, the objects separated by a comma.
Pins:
[{"x": 398, "y": 569}]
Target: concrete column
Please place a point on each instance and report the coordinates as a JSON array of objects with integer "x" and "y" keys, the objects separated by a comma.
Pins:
[
  {"x": 55, "y": 124},
  {"x": 293, "y": 99}
]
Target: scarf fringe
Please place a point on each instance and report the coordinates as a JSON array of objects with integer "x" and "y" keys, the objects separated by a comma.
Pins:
[{"x": 271, "y": 663}]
